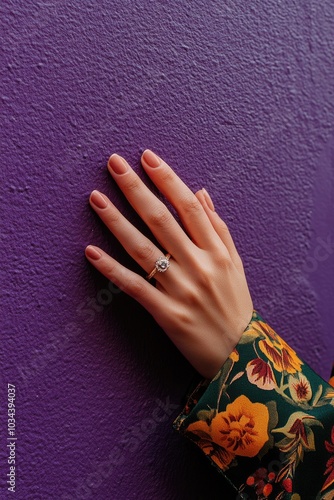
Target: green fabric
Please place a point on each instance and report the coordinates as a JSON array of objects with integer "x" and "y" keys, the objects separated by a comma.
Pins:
[{"x": 266, "y": 421}]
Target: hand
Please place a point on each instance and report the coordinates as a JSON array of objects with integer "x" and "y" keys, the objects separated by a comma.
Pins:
[{"x": 202, "y": 300}]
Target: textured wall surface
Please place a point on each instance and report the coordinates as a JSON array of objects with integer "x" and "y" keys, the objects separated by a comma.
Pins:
[{"x": 238, "y": 97}]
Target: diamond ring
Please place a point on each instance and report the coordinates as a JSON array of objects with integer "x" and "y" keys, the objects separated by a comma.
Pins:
[{"x": 161, "y": 265}]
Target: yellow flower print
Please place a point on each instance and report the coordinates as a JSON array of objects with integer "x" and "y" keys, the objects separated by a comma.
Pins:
[
  {"x": 234, "y": 355},
  {"x": 240, "y": 430},
  {"x": 283, "y": 357}
]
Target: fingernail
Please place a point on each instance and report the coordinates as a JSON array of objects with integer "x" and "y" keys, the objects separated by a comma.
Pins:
[
  {"x": 151, "y": 159},
  {"x": 98, "y": 199},
  {"x": 208, "y": 200},
  {"x": 117, "y": 164},
  {"x": 93, "y": 252}
]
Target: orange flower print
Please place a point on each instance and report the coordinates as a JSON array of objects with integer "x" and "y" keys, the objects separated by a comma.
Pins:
[
  {"x": 300, "y": 388},
  {"x": 331, "y": 380},
  {"x": 219, "y": 455},
  {"x": 261, "y": 374},
  {"x": 240, "y": 430},
  {"x": 283, "y": 357},
  {"x": 242, "y": 427},
  {"x": 234, "y": 355}
]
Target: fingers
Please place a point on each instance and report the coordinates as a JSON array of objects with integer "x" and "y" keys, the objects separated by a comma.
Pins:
[
  {"x": 128, "y": 281},
  {"x": 220, "y": 227},
  {"x": 182, "y": 198},
  {"x": 153, "y": 212},
  {"x": 140, "y": 248}
]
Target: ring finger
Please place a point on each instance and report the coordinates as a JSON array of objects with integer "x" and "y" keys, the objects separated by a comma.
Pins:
[{"x": 140, "y": 248}]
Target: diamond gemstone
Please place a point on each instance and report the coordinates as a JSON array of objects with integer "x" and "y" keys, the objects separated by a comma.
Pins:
[{"x": 162, "y": 264}]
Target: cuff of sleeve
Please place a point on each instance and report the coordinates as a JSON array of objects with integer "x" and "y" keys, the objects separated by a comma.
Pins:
[
  {"x": 240, "y": 417},
  {"x": 194, "y": 396}
]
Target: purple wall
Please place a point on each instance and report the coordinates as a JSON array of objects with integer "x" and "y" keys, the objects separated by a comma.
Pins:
[{"x": 238, "y": 97}]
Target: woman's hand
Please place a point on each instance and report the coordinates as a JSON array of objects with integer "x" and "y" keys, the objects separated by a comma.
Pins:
[{"x": 202, "y": 300}]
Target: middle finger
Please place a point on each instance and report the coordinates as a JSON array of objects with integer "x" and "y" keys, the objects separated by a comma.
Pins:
[{"x": 154, "y": 212}]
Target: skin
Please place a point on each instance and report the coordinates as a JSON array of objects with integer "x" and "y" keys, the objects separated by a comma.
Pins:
[{"x": 202, "y": 301}]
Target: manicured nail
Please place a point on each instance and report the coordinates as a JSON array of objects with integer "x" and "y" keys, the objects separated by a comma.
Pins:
[
  {"x": 117, "y": 164},
  {"x": 93, "y": 252},
  {"x": 208, "y": 200},
  {"x": 151, "y": 159},
  {"x": 98, "y": 199}
]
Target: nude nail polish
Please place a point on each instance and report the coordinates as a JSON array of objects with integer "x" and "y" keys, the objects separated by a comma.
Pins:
[
  {"x": 117, "y": 164},
  {"x": 151, "y": 159},
  {"x": 93, "y": 253},
  {"x": 98, "y": 199}
]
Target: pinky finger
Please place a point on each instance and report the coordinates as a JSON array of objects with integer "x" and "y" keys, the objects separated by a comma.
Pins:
[
  {"x": 221, "y": 229},
  {"x": 126, "y": 280}
]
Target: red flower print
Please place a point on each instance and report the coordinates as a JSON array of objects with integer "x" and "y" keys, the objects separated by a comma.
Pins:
[
  {"x": 261, "y": 374},
  {"x": 330, "y": 463}
]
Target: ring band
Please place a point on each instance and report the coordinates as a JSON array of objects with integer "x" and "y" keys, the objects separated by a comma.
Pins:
[{"x": 161, "y": 265}]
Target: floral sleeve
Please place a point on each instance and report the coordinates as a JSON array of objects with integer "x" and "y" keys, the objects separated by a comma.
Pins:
[{"x": 266, "y": 421}]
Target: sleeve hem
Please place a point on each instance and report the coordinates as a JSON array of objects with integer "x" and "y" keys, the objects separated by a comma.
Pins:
[{"x": 196, "y": 393}]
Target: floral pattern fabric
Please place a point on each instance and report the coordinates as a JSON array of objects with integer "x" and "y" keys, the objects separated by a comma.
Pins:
[{"x": 266, "y": 420}]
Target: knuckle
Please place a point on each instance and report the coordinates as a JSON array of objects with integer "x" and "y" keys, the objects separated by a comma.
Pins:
[
  {"x": 144, "y": 251},
  {"x": 131, "y": 184},
  {"x": 160, "y": 217},
  {"x": 203, "y": 269},
  {"x": 223, "y": 226},
  {"x": 205, "y": 278},
  {"x": 110, "y": 271},
  {"x": 223, "y": 260},
  {"x": 191, "y": 294},
  {"x": 182, "y": 316},
  {"x": 206, "y": 275},
  {"x": 135, "y": 287},
  {"x": 166, "y": 175},
  {"x": 191, "y": 205},
  {"x": 113, "y": 217}
]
